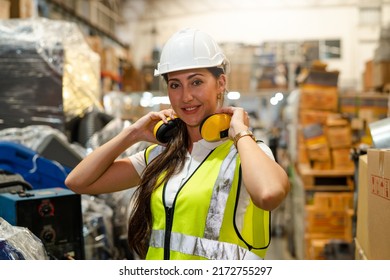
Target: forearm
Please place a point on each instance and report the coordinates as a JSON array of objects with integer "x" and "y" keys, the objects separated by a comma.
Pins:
[
  {"x": 97, "y": 163},
  {"x": 102, "y": 172}
]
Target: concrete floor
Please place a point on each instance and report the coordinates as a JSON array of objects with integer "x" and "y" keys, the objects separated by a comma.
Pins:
[{"x": 278, "y": 249}]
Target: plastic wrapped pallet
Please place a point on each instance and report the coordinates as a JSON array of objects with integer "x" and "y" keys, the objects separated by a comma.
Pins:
[
  {"x": 48, "y": 73},
  {"x": 19, "y": 243}
]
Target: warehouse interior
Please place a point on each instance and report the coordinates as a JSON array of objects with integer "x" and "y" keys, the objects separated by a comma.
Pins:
[{"x": 314, "y": 76}]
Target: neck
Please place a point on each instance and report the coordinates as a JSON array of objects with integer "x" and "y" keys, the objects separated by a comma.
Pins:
[{"x": 194, "y": 136}]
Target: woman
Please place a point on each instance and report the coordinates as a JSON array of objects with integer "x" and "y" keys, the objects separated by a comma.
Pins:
[{"x": 196, "y": 199}]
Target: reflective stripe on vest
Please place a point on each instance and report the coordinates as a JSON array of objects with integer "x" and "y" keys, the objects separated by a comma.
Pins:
[
  {"x": 219, "y": 196},
  {"x": 202, "y": 247},
  {"x": 208, "y": 244}
]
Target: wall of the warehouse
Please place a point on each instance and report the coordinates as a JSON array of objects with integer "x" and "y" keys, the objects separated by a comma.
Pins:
[{"x": 358, "y": 42}]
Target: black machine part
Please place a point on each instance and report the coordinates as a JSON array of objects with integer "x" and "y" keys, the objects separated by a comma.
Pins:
[{"x": 12, "y": 182}]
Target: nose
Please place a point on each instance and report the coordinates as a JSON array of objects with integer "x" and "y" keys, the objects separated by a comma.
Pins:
[{"x": 187, "y": 95}]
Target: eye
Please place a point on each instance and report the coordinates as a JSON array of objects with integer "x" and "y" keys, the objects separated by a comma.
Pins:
[
  {"x": 197, "y": 82},
  {"x": 173, "y": 85}
]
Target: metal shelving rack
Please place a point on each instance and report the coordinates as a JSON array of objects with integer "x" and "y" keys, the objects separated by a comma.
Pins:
[{"x": 93, "y": 17}]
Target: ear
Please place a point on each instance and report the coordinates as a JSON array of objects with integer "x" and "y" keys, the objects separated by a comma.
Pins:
[{"x": 222, "y": 83}]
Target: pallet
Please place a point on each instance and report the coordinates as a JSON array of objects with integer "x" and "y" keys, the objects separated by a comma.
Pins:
[{"x": 326, "y": 180}]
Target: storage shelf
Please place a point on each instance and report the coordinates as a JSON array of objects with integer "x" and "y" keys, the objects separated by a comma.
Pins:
[
  {"x": 326, "y": 180},
  {"x": 85, "y": 21}
]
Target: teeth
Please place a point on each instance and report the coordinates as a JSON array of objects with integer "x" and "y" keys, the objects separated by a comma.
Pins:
[{"x": 190, "y": 109}]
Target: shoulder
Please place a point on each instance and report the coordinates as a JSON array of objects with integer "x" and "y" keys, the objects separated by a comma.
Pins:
[
  {"x": 152, "y": 152},
  {"x": 142, "y": 158}
]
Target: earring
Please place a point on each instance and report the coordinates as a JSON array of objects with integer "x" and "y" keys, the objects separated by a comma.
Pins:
[{"x": 220, "y": 99}]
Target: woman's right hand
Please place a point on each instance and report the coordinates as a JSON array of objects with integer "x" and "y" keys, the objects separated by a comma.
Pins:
[{"x": 143, "y": 128}]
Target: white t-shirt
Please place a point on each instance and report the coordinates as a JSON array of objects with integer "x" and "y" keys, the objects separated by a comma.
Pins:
[{"x": 199, "y": 152}]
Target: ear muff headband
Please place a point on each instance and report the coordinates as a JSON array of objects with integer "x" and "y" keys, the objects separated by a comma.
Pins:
[
  {"x": 165, "y": 131},
  {"x": 215, "y": 127}
]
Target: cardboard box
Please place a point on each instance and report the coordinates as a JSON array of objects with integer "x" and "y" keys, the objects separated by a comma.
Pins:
[
  {"x": 302, "y": 154},
  {"x": 307, "y": 117},
  {"x": 319, "y": 152},
  {"x": 314, "y": 134},
  {"x": 333, "y": 201},
  {"x": 381, "y": 73},
  {"x": 5, "y": 9},
  {"x": 95, "y": 43},
  {"x": 321, "y": 165},
  {"x": 339, "y": 136},
  {"x": 362, "y": 199},
  {"x": 367, "y": 107},
  {"x": 368, "y": 76},
  {"x": 319, "y": 98},
  {"x": 341, "y": 158},
  {"x": 379, "y": 203},
  {"x": 330, "y": 224},
  {"x": 322, "y": 77},
  {"x": 359, "y": 252},
  {"x": 22, "y": 8}
]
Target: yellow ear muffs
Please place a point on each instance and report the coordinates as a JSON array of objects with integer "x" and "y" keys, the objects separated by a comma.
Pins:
[
  {"x": 215, "y": 127},
  {"x": 165, "y": 131}
]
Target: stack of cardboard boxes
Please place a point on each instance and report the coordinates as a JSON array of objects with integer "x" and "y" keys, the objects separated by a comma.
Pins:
[
  {"x": 324, "y": 162},
  {"x": 328, "y": 218},
  {"x": 325, "y": 139}
]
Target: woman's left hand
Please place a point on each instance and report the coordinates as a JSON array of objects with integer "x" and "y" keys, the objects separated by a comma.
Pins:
[{"x": 239, "y": 121}]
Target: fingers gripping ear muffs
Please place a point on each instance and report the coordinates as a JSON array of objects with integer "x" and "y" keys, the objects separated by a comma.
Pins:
[
  {"x": 165, "y": 131},
  {"x": 215, "y": 127}
]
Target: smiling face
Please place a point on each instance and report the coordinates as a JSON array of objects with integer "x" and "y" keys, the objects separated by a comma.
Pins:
[{"x": 194, "y": 95}]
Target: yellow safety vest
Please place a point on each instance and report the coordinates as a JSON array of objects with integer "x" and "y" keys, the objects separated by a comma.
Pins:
[{"x": 202, "y": 222}]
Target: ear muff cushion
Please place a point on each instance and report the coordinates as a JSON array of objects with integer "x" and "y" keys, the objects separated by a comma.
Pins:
[
  {"x": 165, "y": 131},
  {"x": 215, "y": 127}
]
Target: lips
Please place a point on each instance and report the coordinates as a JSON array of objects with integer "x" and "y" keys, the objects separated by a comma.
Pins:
[{"x": 190, "y": 110}]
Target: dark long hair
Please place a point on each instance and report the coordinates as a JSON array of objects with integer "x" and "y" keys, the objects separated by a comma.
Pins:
[
  {"x": 171, "y": 160},
  {"x": 168, "y": 162}
]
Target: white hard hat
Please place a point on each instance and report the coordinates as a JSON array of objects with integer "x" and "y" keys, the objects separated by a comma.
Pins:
[{"x": 188, "y": 49}]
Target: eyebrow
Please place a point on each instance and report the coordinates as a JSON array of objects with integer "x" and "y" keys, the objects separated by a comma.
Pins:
[{"x": 188, "y": 78}]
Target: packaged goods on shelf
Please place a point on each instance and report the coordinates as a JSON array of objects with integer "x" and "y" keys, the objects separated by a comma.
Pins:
[
  {"x": 317, "y": 146},
  {"x": 315, "y": 97},
  {"x": 49, "y": 74},
  {"x": 309, "y": 116},
  {"x": 314, "y": 135},
  {"x": 318, "y": 75},
  {"x": 322, "y": 165},
  {"x": 341, "y": 158},
  {"x": 328, "y": 218},
  {"x": 365, "y": 106},
  {"x": 339, "y": 136},
  {"x": 319, "y": 152},
  {"x": 322, "y": 78}
]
